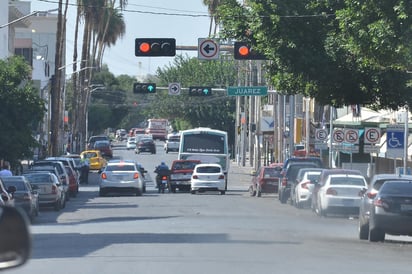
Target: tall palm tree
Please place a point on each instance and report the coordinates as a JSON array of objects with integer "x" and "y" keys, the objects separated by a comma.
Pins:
[{"x": 212, "y": 7}]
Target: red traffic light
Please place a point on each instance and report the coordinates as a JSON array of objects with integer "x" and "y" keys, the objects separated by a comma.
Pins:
[
  {"x": 155, "y": 47},
  {"x": 243, "y": 51},
  {"x": 144, "y": 47}
]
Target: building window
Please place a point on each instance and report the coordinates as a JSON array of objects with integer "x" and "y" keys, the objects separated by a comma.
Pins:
[{"x": 27, "y": 53}]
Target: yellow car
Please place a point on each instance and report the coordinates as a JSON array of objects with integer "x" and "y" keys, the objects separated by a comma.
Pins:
[{"x": 97, "y": 161}]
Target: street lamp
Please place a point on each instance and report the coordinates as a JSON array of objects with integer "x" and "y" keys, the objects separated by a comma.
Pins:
[{"x": 93, "y": 89}]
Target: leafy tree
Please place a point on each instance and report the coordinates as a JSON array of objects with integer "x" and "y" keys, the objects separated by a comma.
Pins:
[
  {"x": 21, "y": 110},
  {"x": 310, "y": 51}
]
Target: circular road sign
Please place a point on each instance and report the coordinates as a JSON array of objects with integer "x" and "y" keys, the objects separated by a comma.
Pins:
[
  {"x": 174, "y": 88},
  {"x": 208, "y": 49},
  {"x": 338, "y": 136},
  {"x": 351, "y": 136},
  {"x": 372, "y": 135},
  {"x": 321, "y": 134}
]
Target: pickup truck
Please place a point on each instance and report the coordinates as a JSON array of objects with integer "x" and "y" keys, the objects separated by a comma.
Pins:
[{"x": 181, "y": 173}]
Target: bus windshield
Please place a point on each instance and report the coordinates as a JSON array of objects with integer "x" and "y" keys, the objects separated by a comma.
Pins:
[{"x": 203, "y": 143}]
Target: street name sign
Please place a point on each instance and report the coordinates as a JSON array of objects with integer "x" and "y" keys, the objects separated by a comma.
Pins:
[{"x": 247, "y": 91}]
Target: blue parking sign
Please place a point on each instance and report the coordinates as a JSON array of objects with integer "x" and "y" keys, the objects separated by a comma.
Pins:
[{"x": 395, "y": 139}]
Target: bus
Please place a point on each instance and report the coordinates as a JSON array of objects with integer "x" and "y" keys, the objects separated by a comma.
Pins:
[{"x": 207, "y": 145}]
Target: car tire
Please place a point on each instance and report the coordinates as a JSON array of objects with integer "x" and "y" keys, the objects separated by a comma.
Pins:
[
  {"x": 102, "y": 193},
  {"x": 363, "y": 231},
  {"x": 376, "y": 235},
  {"x": 252, "y": 192},
  {"x": 193, "y": 192},
  {"x": 283, "y": 199},
  {"x": 222, "y": 192},
  {"x": 57, "y": 205},
  {"x": 138, "y": 192}
]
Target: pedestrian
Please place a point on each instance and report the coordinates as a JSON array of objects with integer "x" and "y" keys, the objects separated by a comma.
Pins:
[
  {"x": 84, "y": 175},
  {"x": 5, "y": 169}
]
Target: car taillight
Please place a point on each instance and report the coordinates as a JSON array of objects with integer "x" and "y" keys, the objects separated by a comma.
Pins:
[
  {"x": 104, "y": 175},
  {"x": 380, "y": 203},
  {"x": 284, "y": 181},
  {"x": 221, "y": 177},
  {"x": 371, "y": 195},
  {"x": 26, "y": 197},
  {"x": 331, "y": 191},
  {"x": 304, "y": 185},
  {"x": 136, "y": 176},
  {"x": 195, "y": 177},
  {"x": 164, "y": 177},
  {"x": 54, "y": 189}
]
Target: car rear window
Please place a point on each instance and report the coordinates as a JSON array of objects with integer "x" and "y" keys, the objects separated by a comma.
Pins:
[
  {"x": 39, "y": 178},
  {"x": 347, "y": 181},
  {"x": 272, "y": 172},
  {"x": 313, "y": 177},
  {"x": 208, "y": 169},
  {"x": 397, "y": 188},
  {"x": 18, "y": 184},
  {"x": 184, "y": 165},
  {"x": 120, "y": 168}
]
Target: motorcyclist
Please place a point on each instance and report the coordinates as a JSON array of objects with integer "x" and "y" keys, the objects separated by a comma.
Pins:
[{"x": 161, "y": 170}]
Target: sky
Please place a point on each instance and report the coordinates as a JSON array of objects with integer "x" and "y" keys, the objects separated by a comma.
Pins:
[{"x": 144, "y": 19}]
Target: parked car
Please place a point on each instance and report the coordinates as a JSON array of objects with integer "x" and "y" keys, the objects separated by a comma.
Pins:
[
  {"x": 6, "y": 194},
  {"x": 391, "y": 211},
  {"x": 322, "y": 181},
  {"x": 266, "y": 180},
  {"x": 181, "y": 173},
  {"x": 341, "y": 193},
  {"x": 207, "y": 177},
  {"x": 131, "y": 143},
  {"x": 93, "y": 139},
  {"x": 50, "y": 189},
  {"x": 56, "y": 167},
  {"x": 121, "y": 176},
  {"x": 72, "y": 172},
  {"x": 105, "y": 148},
  {"x": 368, "y": 197},
  {"x": 172, "y": 143},
  {"x": 25, "y": 196},
  {"x": 293, "y": 160},
  {"x": 146, "y": 145},
  {"x": 301, "y": 190},
  {"x": 96, "y": 160},
  {"x": 289, "y": 176}
]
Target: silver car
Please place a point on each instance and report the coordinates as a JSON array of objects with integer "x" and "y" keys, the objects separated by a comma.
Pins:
[
  {"x": 368, "y": 197},
  {"x": 121, "y": 176}
]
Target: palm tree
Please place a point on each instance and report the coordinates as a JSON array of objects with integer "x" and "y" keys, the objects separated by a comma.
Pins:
[{"x": 212, "y": 7}]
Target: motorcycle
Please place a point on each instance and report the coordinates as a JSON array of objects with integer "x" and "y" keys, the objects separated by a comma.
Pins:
[{"x": 163, "y": 184}]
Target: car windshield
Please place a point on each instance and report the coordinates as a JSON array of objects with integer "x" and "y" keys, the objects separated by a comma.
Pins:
[
  {"x": 271, "y": 172},
  {"x": 90, "y": 154},
  {"x": 313, "y": 177}
]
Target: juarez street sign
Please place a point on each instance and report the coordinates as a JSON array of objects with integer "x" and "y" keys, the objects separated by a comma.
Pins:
[{"x": 247, "y": 91}]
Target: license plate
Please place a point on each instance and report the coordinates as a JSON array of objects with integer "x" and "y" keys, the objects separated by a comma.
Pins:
[
  {"x": 406, "y": 207},
  {"x": 347, "y": 202}
]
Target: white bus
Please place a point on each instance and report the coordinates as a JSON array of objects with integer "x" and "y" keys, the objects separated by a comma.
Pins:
[{"x": 207, "y": 145}]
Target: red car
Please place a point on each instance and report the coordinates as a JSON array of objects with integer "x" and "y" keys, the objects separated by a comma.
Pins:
[
  {"x": 105, "y": 148},
  {"x": 181, "y": 173},
  {"x": 266, "y": 180}
]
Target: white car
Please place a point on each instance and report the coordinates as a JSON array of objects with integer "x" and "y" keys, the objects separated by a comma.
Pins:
[
  {"x": 302, "y": 192},
  {"x": 341, "y": 193},
  {"x": 172, "y": 143},
  {"x": 131, "y": 143},
  {"x": 207, "y": 177},
  {"x": 121, "y": 176}
]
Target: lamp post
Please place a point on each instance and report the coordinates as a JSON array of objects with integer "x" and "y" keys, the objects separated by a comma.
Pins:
[{"x": 93, "y": 89}]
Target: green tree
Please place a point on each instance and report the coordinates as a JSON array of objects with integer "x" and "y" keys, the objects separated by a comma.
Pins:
[
  {"x": 21, "y": 110},
  {"x": 311, "y": 54}
]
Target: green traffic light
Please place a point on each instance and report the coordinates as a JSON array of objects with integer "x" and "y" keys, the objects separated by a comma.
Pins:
[
  {"x": 150, "y": 88},
  {"x": 206, "y": 91}
]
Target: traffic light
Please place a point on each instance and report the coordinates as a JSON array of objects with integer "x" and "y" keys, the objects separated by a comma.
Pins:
[
  {"x": 144, "y": 88},
  {"x": 155, "y": 47},
  {"x": 243, "y": 51},
  {"x": 200, "y": 91}
]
